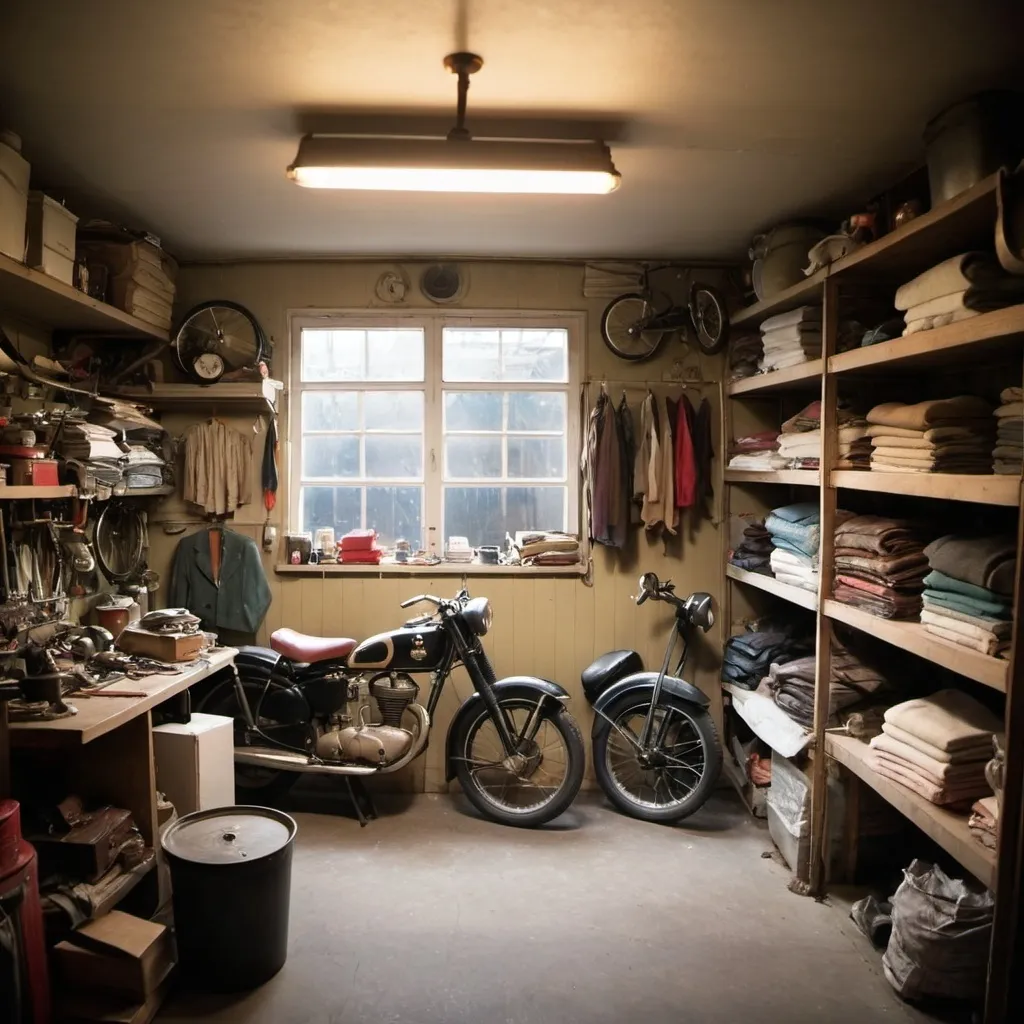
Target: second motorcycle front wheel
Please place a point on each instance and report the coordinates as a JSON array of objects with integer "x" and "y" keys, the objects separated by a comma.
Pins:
[
  {"x": 676, "y": 774},
  {"x": 532, "y": 787}
]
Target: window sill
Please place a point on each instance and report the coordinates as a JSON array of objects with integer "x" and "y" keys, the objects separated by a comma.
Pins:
[{"x": 442, "y": 569}]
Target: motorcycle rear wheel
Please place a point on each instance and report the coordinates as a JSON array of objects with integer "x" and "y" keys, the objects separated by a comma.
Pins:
[
  {"x": 691, "y": 745},
  {"x": 539, "y": 792}
]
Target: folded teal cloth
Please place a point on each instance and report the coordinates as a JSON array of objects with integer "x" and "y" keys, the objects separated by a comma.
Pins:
[
  {"x": 795, "y": 549},
  {"x": 801, "y": 512},
  {"x": 944, "y": 599},
  {"x": 803, "y": 536},
  {"x": 936, "y": 580}
]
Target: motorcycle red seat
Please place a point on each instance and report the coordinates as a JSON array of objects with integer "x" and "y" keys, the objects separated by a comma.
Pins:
[{"x": 303, "y": 647}]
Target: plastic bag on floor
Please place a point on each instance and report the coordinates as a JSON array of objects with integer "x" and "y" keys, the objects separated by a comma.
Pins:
[{"x": 941, "y": 930}]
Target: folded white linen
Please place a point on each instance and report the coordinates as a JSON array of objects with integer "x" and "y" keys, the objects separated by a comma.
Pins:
[
  {"x": 927, "y": 323},
  {"x": 759, "y": 462},
  {"x": 787, "y": 558},
  {"x": 798, "y": 581},
  {"x": 1000, "y": 630},
  {"x": 991, "y": 646},
  {"x": 797, "y": 335},
  {"x": 782, "y": 362},
  {"x": 802, "y": 314},
  {"x": 940, "y": 304}
]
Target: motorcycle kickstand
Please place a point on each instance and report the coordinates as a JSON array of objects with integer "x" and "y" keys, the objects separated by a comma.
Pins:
[{"x": 358, "y": 795}]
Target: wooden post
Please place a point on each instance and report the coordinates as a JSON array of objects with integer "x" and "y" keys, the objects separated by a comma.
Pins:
[{"x": 823, "y": 638}]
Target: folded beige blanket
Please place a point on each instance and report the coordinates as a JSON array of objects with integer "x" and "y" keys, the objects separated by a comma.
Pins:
[
  {"x": 1010, "y": 409},
  {"x": 944, "y": 278},
  {"x": 990, "y": 646},
  {"x": 1011, "y": 395},
  {"x": 932, "y": 452},
  {"x": 997, "y": 627},
  {"x": 998, "y": 630},
  {"x": 981, "y": 752},
  {"x": 950, "y": 720},
  {"x": 923, "y": 415},
  {"x": 919, "y": 784},
  {"x": 946, "y": 432},
  {"x": 959, "y": 784},
  {"x": 939, "y": 772}
]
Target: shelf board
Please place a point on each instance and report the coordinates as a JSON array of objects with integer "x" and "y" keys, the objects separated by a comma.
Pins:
[
  {"x": 983, "y": 489},
  {"x": 803, "y": 292},
  {"x": 769, "y": 584},
  {"x": 947, "y": 829},
  {"x": 799, "y": 377},
  {"x": 13, "y": 493},
  {"x": 982, "y": 336},
  {"x": 797, "y": 477},
  {"x": 34, "y": 296},
  {"x": 243, "y": 396},
  {"x": 913, "y": 637},
  {"x": 955, "y": 226},
  {"x": 440, "y": 569}
]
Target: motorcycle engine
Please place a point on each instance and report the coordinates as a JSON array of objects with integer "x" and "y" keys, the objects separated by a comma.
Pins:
[{"x": 376, "y": 743}]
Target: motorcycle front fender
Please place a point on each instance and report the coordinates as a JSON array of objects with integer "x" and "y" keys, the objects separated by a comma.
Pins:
[
  {"x": 644, "y": 682},
  {"x": 527, "y": 687}
]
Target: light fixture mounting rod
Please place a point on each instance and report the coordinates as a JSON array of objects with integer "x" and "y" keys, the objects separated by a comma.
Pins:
[{"x": 463, "y": 65}]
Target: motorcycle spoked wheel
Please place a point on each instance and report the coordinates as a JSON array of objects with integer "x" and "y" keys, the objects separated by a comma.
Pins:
[
  {"x": 690, "y": 745},
  {"x": 253, "y": 783},
  {"x": 536, "y": 789}
]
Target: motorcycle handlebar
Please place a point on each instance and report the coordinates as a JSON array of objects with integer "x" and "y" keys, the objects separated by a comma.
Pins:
[{"x": 409, "y": 602}]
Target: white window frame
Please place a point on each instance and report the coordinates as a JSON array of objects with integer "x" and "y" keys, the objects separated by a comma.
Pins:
[{"x": 432, "y": 323}]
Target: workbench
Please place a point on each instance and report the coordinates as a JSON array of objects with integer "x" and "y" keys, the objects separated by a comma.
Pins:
[{"x": 105, "y": 751}]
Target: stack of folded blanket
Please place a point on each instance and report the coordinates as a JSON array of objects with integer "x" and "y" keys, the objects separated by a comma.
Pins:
[
  {"x": 1009, "y": 451},
  {"x": 984, "y": 821},
  {"x": 795, "y": 535},
  {"x": 879, "y": 565},
  {"x": 854, "y": 445},
  {"x": 791, "y": 338},
  {"x": 359, "y": 547},
  {"x": 960, "y": 287},
  {"x": 945, "y": 435},
  {"x": 800, "y": 439},
  {"x": 756, "y": 451},
  {"x": 753, "y": 550},
  {"x": 749, "y": 655},
  {"x": 791, "y": 685},
  {"x": 744, "y": 356},
  {"x": 937, "y": 746},
  {"x": 968, "y": 596}
]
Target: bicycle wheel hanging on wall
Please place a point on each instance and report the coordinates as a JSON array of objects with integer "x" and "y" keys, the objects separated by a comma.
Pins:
[
  {"x": 624, "y": 330},
  {"x": 710, "y": 318}
]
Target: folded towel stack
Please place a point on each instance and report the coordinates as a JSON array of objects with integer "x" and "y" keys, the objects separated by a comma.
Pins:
[
  {"x": 946, "y": 435},
  {"x": 880, "y": 566},
  {"x": 984, "y": 821},
  {"x": 745, "y": 354},
  {"x": 756, "y": 451},
  {"x": 1009, "y": 450},
  {"x": 753, "y": 550},
  {"x": 958, "y": 288},
  {"x": 800, "y": 439},
  {"x": 748, "y": 656},
  {"x": 791, "y": 338},
  {"x": 937, "y": 746},
  {"x": 968, "y": 596},
  {"x": 795, "y": 535}
]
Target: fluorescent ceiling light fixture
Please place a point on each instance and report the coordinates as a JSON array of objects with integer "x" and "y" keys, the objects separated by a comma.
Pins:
[
  {"x": 443, "y": 165},
  {"x": 456, "y": 164}
]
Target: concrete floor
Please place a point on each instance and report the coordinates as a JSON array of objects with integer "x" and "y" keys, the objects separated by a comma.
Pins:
[{"x": 433, "y": 916}]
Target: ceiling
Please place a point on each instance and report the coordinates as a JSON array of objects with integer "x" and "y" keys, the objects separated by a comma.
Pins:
[{"x": 181, "y": 116}]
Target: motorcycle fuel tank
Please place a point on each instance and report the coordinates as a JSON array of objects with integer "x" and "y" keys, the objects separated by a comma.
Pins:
[{"x": 409, "y": 649}]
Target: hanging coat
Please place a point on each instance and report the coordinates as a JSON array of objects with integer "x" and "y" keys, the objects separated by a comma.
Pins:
[
  {"x": 670, "y": 515},
  {"x": 610, "y": 500},
  {"x": 627, "y": 438},
  {"x": 686, "y": 469},
  {"x": 650, "y": 466},
  {"x": 588, "y": 464},
  {"x": 704, "y": 454}
]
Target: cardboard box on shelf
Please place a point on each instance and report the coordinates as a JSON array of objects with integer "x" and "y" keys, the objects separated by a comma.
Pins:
[
  {"x": 195, "y": 762},
  {"x": 51, "y": 237},
  {"x": 117, "y": 954}
]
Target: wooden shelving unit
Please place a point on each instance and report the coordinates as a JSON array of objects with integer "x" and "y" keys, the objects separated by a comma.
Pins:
[
  {"x": 913, "y": 637},
  {"x": 994, "y": 338},
  {"x": 38, "y": 298},
  {"x": 946, "y": 828},
  {"x": 793, "y": 477},
  {"x": 770, "y": 585},
  {"x": 247, "y": 396},
  {"x": 987, "y": 489},
  {"x": 17, "y": 493}
]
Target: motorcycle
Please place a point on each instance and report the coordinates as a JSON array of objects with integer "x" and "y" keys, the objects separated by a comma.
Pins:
[
  {"x": 657, "y": 754},
  {"x": 332, "y": 706}
]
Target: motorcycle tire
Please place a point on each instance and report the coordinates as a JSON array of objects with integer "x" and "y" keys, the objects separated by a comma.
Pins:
[
  {"x": 703, "y": 726},
  {"x": 253, "y": 784},
  {"x": 563, "y": 722},
  {"x": 619, "y": 315},
  {"x": 710, "y": 318}
]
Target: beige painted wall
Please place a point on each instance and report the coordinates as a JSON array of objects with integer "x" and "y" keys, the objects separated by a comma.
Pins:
[{"x": 548, "y": 627}]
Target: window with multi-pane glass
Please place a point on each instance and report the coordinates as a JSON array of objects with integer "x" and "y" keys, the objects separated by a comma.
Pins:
[{"x": 444, "y": 429}]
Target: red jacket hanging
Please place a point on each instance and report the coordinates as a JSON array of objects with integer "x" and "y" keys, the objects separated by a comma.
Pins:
[{"x": 686, "y": 463}]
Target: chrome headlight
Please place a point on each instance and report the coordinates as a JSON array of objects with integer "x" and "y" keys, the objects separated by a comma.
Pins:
[{"x": 477, "y": 615}]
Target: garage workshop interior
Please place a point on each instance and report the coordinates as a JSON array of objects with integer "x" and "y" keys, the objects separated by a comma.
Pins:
[{"x": 511, "y": 512}]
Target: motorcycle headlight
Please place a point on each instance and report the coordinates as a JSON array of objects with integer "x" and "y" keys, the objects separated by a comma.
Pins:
[{"x": 478, "y": 615}]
